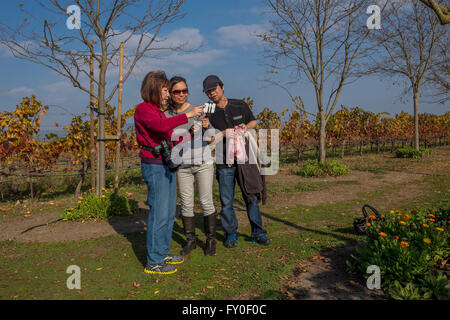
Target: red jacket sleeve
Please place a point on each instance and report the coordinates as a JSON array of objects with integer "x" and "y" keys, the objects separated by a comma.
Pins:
[{"x": 161, "y": 125}]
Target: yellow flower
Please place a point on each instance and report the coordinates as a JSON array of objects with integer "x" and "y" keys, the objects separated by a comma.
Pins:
[
  {"x": 372, "y": 217},
  {"x": 432, "y": 215},
  {"x": 406, "y": 217},
  {"x": 402, "y": 223},
  {"x": 72, "y": 209},
  {"x": 432, "y": 220},
  {"x": 79, "y": 202},
  {"x": 440, "y": 229},
  {"x": 392, "y": 211},
  {"x": 103, "y": 196},
  {"x": 382, "y": 234},
  {"x": 367, "y": 224},
  {"x": 427, "y": 241},
  {"x": 398, "y": 211}
]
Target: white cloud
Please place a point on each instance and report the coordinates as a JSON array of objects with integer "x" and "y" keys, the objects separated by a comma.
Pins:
[
  {"x": 179, "y": 61},
  {"x": 186, "y": 38},
  {"x": 21, "y": 91},
  {"x": 238, "y": 35},
  {"x": 59, "y": 87}
]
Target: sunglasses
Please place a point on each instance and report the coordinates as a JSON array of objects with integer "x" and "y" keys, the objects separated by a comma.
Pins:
[{"x": 178, "y": 92}]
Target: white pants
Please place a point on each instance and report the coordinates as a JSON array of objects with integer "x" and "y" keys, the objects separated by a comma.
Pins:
[{"x": 203, "y": 177}]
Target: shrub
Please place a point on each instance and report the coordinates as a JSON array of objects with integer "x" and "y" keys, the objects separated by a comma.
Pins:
[
  {"x": 409, "y": 152},
  {"x": 408, "y": 248},
  {"x": 94, "y": 207},
  {"x": 313, "y": 168}
]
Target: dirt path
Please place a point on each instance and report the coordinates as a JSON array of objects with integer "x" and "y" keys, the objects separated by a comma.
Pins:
[
  {"x": 324, "y": 277},
  {"x": 365, "y": 182}
]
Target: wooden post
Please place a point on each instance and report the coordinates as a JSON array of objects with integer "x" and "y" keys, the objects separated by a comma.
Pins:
[
  {"x": 119, "y": 120},
  {"x": 92, "y": 134}
]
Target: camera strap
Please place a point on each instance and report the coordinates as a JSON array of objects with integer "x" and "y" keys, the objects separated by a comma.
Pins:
[{"x": 143, "y": 136}]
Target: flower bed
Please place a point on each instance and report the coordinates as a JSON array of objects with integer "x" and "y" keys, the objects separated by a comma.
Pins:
[{"x": 411, "y": 249}]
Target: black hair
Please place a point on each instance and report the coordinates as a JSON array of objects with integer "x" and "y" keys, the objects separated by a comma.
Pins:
[{"x": 174, "y": 81}]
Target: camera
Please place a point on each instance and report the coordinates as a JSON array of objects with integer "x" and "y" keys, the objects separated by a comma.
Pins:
[
  {"x": 164, "y": 149},
  {"x": 210, "y": 107}
]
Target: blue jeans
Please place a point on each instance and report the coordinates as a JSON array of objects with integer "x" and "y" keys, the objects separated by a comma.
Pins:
[
  {"x": 162, "y": 199},
  {"x": 226, "y": 177}
]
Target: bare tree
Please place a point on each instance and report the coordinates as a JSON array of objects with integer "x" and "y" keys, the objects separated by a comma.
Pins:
[
  {"x": 439, "y": 76},
  {"x": 108, "y": 23},
  {"x": 442, "y": 12},
  {"x": 410, "y": 38},
  {"x": 320, "y": 41}
]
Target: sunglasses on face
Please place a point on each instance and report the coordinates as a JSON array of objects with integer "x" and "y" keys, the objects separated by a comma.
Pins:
[{"x": 178, "y": 92}]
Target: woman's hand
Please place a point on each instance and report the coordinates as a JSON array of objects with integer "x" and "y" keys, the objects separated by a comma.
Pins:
[{"x": 194, "y": 112}]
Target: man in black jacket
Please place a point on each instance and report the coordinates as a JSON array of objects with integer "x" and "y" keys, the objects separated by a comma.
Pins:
[{"x": 228, "y": 114}]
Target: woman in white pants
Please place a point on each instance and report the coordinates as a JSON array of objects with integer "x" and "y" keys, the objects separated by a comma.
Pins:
[{"x": 194, "y": 169}]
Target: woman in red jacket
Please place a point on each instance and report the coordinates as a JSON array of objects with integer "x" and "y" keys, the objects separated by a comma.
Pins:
[{"x": 152, "y": 129}]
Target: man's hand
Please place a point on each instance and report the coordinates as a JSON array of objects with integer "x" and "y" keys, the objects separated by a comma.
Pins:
[
  {"x": 229, "y": 133},
  {"x": 244, "y": 127}
]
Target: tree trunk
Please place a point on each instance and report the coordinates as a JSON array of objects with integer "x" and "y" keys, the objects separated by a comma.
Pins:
[
  {"x": 416, "y": 119},
  {"x": 31, "y": 194},
  {"x": 101, "y": 121},
  {"x": 322, "y": 138},
  {"x": 361, "y": 148},
  {"x": 93, "y": 143},
  {"x": 343, "y": 148},
  {"x": 80, "y": 184}
]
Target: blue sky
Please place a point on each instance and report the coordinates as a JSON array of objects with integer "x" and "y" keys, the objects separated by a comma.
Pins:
[{"x": 226, "y": 29}]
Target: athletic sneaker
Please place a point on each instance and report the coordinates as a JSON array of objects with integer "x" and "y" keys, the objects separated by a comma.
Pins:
[
  {"x": 231, "y": 241},
  {"x": 171, "y": 259},
  {"x": 160, "y": 269},
  {"x": 262, "y": 239}
]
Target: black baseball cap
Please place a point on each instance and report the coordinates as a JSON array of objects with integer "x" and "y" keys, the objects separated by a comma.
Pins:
[{"x": 211, "y": 82}]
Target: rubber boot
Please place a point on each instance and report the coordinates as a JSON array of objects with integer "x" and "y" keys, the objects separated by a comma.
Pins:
[
  {"x": 210, "y": 231},
  {"x": 189, "y": 231}
]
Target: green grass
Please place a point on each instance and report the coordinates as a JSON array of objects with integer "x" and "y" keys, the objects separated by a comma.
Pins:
[
  {"x": 112, "y": 267},
  {"x": 314, "y": 186}
]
